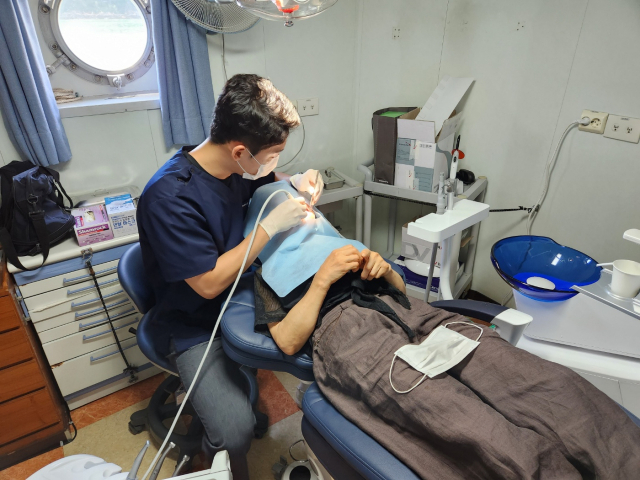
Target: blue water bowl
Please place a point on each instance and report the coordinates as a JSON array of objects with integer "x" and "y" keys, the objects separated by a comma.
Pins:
[{"x": 542, "y": 269}]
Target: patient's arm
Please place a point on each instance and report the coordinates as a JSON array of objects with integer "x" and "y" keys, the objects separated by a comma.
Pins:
[{"x": 295, "y": 329}]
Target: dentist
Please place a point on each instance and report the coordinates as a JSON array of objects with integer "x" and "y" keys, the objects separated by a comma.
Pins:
[{"x": 190, "y": 219}]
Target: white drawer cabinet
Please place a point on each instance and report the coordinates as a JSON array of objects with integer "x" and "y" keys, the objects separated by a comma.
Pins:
[
  {"x": 69, "y": 328},
  {"x": 96, "y": 367},
  {"x": 76, "y": 308},
  {"x": 89, "y": 340},
  {"x": 50, "y": 304},
  {"x": 77, "y": 278},
  {"x": 63, "y": 303}
]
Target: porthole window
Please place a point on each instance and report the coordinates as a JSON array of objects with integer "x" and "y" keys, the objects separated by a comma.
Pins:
[{"x": 104, "y": 42}]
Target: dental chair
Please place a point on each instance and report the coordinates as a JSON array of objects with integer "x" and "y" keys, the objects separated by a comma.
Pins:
[
  {"x": 161, "y": 406},
  {"x": 344, "y": 450}
]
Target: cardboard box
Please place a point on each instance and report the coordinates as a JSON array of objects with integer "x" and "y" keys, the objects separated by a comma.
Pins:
[
  {"x": 92, "y": 225},
  {"x": 421, "y": 155},
  {"x": 122, "y": 215},
  {"x": 384, "y": 142}
]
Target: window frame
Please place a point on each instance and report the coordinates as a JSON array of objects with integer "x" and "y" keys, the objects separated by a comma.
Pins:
[{"x": 48, "y": 20}]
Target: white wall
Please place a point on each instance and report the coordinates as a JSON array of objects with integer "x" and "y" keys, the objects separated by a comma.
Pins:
[{"x": 537, "y": 65}]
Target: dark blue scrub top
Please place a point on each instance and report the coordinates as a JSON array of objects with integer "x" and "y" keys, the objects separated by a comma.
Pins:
[{"x": 186, "y": 219}]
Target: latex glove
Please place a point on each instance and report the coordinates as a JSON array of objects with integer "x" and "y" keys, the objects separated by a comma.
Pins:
[
  {"x": 285, "y": 216},
  {"x": 305, "y": 183}
]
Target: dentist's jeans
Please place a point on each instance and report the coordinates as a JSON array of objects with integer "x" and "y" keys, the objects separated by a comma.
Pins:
[
  {"x": 502, "y": 413},
  {"x": 221, "y": 402}
]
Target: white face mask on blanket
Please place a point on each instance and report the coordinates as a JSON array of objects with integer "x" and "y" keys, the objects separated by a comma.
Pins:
[{"x": 441, "y": 350}]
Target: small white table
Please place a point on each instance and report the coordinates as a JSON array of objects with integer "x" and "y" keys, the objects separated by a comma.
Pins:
[{"x": 476, "y": 191}]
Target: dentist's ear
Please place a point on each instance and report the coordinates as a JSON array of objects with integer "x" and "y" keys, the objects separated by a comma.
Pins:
[{"x": 237, "y": 151}]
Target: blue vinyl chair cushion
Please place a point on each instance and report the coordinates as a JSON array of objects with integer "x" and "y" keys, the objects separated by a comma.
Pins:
[
  {"x": 365, "y": 455},
  {"x": 336, "y": 465},
  {"x": 134, "y": 280},
  {"x": 148, "y": 337},
  {"x": 247, "y": 347}
]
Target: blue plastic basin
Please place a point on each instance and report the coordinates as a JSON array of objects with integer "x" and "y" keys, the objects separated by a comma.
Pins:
[{"x": 517, "y": 259}]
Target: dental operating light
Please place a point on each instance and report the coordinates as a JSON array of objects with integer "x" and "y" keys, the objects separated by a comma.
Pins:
[{"x": 286, "y": 10}]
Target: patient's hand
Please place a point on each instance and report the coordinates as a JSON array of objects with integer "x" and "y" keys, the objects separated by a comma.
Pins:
[
  {"x": 374, "y": 266},
  {"x": 337, "y": 264}
]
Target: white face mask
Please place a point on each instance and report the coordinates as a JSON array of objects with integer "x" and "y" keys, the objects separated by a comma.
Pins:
[
  {"x": 263, "y": 170},
  {"x": 441, "y": 350}
]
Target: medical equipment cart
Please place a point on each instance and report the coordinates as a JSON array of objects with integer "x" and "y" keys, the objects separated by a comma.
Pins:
[
  {"x": 62, "y": 303},
  {"x": 476, "y": 191}
]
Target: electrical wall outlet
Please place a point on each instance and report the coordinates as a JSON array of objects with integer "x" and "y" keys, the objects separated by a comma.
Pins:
[
  {"x": 396, "y": 33},
  {"x": 626, "y": 129},
  {"x": 308, "y": 106},
  {"x": 598, "y": 121}
]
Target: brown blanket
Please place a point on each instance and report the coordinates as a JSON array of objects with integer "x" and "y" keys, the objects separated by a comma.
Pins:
[{"x": 500, "y": 414}]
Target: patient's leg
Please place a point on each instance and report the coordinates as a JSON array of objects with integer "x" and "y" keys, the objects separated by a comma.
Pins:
[
  {"x": 441, "y": 429},
  {"x": 555, "y": 402}
]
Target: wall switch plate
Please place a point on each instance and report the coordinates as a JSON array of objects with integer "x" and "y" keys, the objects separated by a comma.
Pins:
[
  {"x": 598, "y": 121},
  {"x": 626, "y": 129},
  {"x": 396, "y": 33},
  {"x": 308, "y": 106}
]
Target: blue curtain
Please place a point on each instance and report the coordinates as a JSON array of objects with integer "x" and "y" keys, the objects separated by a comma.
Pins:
[
  {"x": 184, "y": 78},
  {"x": 26, "y": 98}
]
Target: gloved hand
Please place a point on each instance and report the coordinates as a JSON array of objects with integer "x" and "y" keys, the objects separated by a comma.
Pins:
[
  {"x": 306, "y": 182},
  {"x": 285, "y": 216}
]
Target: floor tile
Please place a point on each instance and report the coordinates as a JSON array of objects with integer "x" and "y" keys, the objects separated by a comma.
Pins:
[
  {"x": 289, "y": 382},
  {"x": 110, "y": 439},
  {"x": 103, "y": 407},
  {"x": 24, "y": 470},
  {"x": 267, "y": 451},
  {"x": 274, "y": 399}
]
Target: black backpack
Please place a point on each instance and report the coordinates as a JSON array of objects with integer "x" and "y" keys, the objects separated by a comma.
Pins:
[{"x": 33, "y": 216}]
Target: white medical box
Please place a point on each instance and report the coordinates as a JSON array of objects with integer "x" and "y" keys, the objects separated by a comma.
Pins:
[
  {"x": 422, "y": 153},
  {"x": 122, "y": 215}
]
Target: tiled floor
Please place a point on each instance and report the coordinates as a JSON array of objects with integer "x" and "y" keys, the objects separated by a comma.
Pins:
[{"x": 103, "y": 429}]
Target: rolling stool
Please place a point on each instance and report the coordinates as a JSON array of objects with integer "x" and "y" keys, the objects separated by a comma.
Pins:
[{"x": 133, "y": 279}]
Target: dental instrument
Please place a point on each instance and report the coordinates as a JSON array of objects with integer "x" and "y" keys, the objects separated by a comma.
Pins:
[
  {"x": 156, "y": 471},
  {"x": 312, "y": 191},
  {"x": 136, "y": 463}
]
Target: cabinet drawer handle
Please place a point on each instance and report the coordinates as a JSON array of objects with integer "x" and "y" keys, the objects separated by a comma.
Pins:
[
  {"x": 95, "y": 359},
  {"x": 71, "y": 281},
  {"x": 89, "y": 313},
  {"x": 104, "y": 320},
  {"x": 89, "y": 337},
  {"x": 91, "y": 287},
  {"x": 94, "y": 300}
]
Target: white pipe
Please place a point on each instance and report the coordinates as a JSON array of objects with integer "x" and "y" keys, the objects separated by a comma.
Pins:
[
  {"x": 432, "y": 266},
  {"x": 364, "y": 168},
  {"x": 368, "y": 176},
  {"x": 391, "y": 234},
  {"x": 444, "y": 289},
  {"x": 359, "y": 218},
  {"x": 367, "y": 221}
]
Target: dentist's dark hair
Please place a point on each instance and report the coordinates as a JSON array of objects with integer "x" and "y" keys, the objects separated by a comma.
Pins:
[{"x": 252, "y": 111}]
